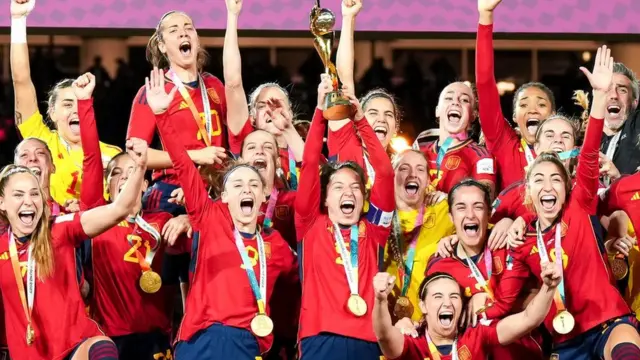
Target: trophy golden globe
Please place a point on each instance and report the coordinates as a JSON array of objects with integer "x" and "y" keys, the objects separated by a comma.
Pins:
[{"x": 321, "y": 23}]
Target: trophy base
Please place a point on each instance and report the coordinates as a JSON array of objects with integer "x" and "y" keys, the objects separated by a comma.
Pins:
[{"x": 337, "y": 107}]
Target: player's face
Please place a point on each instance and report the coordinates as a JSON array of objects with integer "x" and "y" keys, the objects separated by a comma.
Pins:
[
  {"x": 262, "y": 120},
  {"x": 411, "y": 178},
  {"x": 470, "y": 215},
  {"x": 555, "y": 135},
  {"x": 34, "y": 155},
  {"x": 65, "y": 115},
  {"x": 261, "y": 151},
  {"x": 244, "y": 194},
  {"x": 455, "y": 108},
  {"x": 180, "y": 42},
  {"x": 344, "y": 197},
  {"x": 620, "y": 102},
  {"x": 22, "y": 203},
  {"x": 442, "y": 307},
  {"x": 547, "y": 188},
  {"x": 532, "y": 106},
  {"x": 123, "y": 166},
  {"x": 381, "y": 115}
]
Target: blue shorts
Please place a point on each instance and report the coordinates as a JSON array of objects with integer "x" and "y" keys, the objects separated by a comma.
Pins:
[
  {"x": 219, "y": 342},
  {"x": 156, "y": 198},
  {"x": 338, "y": 347},
  {"x": 143, "y": 346},
  {"x": 590, "y": 345}
]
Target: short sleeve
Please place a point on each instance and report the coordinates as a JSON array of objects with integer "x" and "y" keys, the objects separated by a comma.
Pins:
[{"x": 35, "y": 127}]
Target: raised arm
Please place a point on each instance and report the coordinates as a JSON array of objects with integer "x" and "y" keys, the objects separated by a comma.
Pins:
[
  {"x": 494, "y": 126},
  {"x": 307, "y": 207},
  {"x": 91, "y": 194},
  {"x": 238, "y": 111},
  {"x": 196, "y": 196},
  {"x": 601, "y": 80},
  {"x": 100, "y": 219},
  {"x": 516, "y": 326},
  {"x": 345, "y": 55},
  {"x": 390, "y": 339},
  {"x": 26, "y": 103}
]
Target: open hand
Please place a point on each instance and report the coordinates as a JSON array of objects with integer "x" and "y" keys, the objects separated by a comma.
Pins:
[
  {"x": 601, "y": 79},
  {"x": 157, "y": 96}
]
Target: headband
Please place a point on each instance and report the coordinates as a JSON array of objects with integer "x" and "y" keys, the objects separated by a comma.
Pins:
[
  {"x": 440, "y": 276},
  {"x": 232, "y": 170}
]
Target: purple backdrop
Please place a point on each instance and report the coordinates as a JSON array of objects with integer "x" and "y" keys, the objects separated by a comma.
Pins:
[{"x": 538, "y": 16}]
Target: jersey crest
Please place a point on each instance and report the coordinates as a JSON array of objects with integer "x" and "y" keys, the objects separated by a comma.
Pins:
[
  {"x": 453, "y": 162},
  {"x": 282, "y": 212}
]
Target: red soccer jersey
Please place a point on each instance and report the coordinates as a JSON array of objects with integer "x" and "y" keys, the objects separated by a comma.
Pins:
[
  {"x": 216, "y": 265},
  {"x": 324, "y": 284},
  {"x": 118, "y": 303},
  {"x": 510, "y": 202},
  {"x": 475, "y": 343},
  {"x": 91, "y": 194},
  {"x": 502, "y": 140},
  {"x": 590, "y": 295},
  {"x": 345, "y": 145},
  {"x": 465, "y": 160},
  {"x": 142, "y": 123},
  {"x": 59, "y": 317},
  {"x": 623, "y": 194}
]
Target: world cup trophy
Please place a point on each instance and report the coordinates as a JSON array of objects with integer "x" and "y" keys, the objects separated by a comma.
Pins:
[{"x": 321, "y": 23}]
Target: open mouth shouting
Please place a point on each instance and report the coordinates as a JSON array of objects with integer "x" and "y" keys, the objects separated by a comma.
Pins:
[
  {"x": 347, "y": 207},
  {"x": 454, "y": 117},
  {"x": 74, "y": 125},
  {"x": 27, "y": 217},
  {"x": 381, "y": 131},
  {"x": 471, "y": 229},
  {"x": 185, "y": 48},
  {"x": 259, "y": 163},
  {"x": 35, "y": 170},
  {"x": 532, "y": 125},
  {"x": 548, "y": 202},
  {"x": 412, "y": 187},
  {"x": 445, "y": 318},
  {"x": 246, "y": 205},
  {"x": 613, "y": 110}
]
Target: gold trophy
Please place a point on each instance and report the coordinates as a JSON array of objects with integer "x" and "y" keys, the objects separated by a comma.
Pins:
[{"x": 321, "y": 23}]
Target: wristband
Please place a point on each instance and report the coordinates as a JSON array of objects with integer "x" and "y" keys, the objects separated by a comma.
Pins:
[{"x": 19, "y": 30}]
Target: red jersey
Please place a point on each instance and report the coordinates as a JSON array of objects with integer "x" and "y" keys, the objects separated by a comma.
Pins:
[
  {"x": 465, "y": 160},
  {"x": 502, "y": 140},
  {"x": 623, "y": 194},
  {"x": 216, "y": 265},
  {"x": 345, "y": 145},
  {"x": 510, "y": 202},
  {"x": 118, "y": 304},
  {"x": 590, "y": 295},
  {"x": 325, "y": 289},
  {"x": 475, "y": 343},
  {"x": 59, "y": 317},
  {"x": 142, "y": 122}
]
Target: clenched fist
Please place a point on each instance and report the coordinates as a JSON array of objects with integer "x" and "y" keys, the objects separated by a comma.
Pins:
[
  {"x": 21, "y": 8},
  {"x": 382, "y": 285}
]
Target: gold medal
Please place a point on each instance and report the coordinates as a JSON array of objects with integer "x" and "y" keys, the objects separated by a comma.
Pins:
[
  {"x": 262, "y": 325},
  {"x": 150, "y": 282},
  {"x": 357, "y": 305},
  {"x": 563, "y": 322},
  {"x": 31, "y": 335},
  {"x": 619, "y": 268},
  {"x": 403, "y": 308}
]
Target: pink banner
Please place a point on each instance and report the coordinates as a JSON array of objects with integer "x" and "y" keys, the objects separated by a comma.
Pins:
[{"x": 522, "y": 16}]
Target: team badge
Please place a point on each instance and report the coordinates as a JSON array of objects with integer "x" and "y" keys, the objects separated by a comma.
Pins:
[
  {"x": 430, "y": 222},
  {"x": 452, "y": 162},
  {"x": 282, "y": 212},
  {"x": 464, "y": 353},
  {"x": 497, "y": 265},
  {"x": 214, "y": 96}
]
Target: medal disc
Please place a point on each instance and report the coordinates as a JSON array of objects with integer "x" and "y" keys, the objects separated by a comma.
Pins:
[
  {"x": 31, "y": 334},
  {"x": 357, "y": 305},
  {"x": 403, "y": 308},
  {"x": 619, "y": 268},
  {"x": 150, "y": 282},
  {"x": 563, "y": 322},
  {"x": 262, "y": 325}
]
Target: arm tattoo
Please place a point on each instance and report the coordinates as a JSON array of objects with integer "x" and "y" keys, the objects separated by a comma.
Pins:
[{"x": 18, "y": 118}]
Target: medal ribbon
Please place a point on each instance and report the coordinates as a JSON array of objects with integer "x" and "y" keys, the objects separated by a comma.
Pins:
[
  {"x": 271, "y": 205},
  {"x": 433, "y": 349},
  {"x": 569, "y": 154},
  {"x": 205, "y": 131},
  {"x": 405, "y": 268},
  {"x": 559, "y": 296},
  {"x": 611, "y": 150},
  {"x": 55, "y": 209},
  {"x": 259, "y": 289},
  {"x": 528, "y": 154},
  {"x": 28, "y": 298},
  {"x": 293, "y": 173},
  {"x": 371, "y": 173},
  {"x": 349, "y": 261},
  {"x": 475, "y": 271},
  {"x": 146, "y": 261},
  {"x": 442, "y": 152}
]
